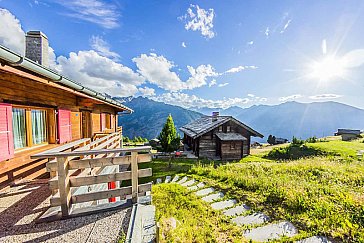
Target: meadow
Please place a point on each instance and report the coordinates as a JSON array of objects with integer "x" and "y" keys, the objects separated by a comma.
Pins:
[{"x": 321, "y": 194}]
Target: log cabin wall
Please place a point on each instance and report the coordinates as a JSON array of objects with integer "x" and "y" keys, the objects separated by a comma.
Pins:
[
  {"x": 21, "y": 89},
  {"x": 207, "y": 145},
  {"x": 231, "y": 150}
]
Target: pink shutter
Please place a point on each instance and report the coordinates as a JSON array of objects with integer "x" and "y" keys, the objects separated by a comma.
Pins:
[
  {"x": 103, "y": 122},
  {"x": 6, "y": 132},
  {"x": 64, "y": 126}
]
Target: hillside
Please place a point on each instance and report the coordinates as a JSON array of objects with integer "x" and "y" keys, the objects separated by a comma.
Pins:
[
  {"x": 299, "y": 119},
  {"x": 149, "y": 117}
]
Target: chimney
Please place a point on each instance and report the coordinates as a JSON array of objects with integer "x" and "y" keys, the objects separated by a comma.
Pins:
[
  {"x": 215, "y": 114},
  {"x": 36, "y": 47}
]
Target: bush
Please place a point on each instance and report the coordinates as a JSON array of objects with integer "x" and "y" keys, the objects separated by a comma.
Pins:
[
  {"x": 297, "y": 141},
  {"x": 311, "y": 140},
  {"x": 293, "y": 151}
]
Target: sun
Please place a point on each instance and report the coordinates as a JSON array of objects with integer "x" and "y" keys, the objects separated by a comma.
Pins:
[{"x": 327, "y": 69}]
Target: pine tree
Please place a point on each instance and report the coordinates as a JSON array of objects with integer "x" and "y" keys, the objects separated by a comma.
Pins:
[{"x": 169, "y": 138}]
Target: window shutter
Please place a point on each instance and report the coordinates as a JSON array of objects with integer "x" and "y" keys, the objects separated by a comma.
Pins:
[
  {"x": 64, "y": 126},
  {"x": 6, "y": 132},
  {"x": 103, "y": 121}
]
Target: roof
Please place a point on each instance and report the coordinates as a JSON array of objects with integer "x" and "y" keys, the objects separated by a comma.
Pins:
[
  {"x": 15, "y": 60},
  {"x": 206, "y": 123},
  {"x": 232, "y": 136},
  {"x": 348, "y": 131}
]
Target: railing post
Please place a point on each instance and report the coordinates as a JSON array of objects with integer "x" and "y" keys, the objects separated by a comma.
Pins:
[
  {"x": 134, "y": 176},
  {"x": 64, "y": 185}
]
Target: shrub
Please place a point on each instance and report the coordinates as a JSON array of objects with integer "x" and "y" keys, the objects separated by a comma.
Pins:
[
  {"x": 294, "y": 151},
  {"x": 297, "y": 141},
  {"x": 311, "y": 140}
]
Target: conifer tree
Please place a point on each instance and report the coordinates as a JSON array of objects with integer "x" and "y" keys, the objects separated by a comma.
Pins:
[{"x": 169, "y": 138}]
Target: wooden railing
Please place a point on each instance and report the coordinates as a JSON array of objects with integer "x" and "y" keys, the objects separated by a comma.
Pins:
[{"x": 85, "y": 167}]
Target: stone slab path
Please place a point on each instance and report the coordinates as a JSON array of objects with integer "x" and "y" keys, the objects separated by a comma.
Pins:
[
  {"x": 213, "y": 197},
  {"x": 223, "y": 204},
  {"x": 237, "y": 212},
  {"x": 255, "y": 218},
  {"x": 271, "y": 232}
]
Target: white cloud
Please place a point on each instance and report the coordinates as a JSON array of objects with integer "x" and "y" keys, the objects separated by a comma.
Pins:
[
  {"x": 286, "y": 26},
  {"x": 325, "y": 96},
  {"x": 250, "y": 43},
  {"x": 192, "y": 101},
  {"x": 183, "y": 44},
  {"x": 251, "y": 95},
  {"x": 223, "y": 85},
  {"x": 267, "y": 32},
  {"x": 354, "y": 58},
  {"x": 291, "y": 97},
  {"x": 102, "y": 47},
  {"x": 240, "y": 68},
  {"x": 100, "y": 73},
  {"x": 11, "y": 34},
  {"x": 199, "y": 20},
  {"x": 146, "y": 91},
  {"x": 158, "y": 70},
  {"x": 98, "y": 12},
  {"x": 212, "y": 83}
]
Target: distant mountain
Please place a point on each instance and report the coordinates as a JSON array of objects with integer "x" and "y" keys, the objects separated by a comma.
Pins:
[
  {"x": 149, "y": 117},
  {"x": 299, "y": 119}
]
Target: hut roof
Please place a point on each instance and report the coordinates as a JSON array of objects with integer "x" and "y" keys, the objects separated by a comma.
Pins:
[
  {"x": 231, "y": 136},
  {"x": 207, "y": 123}
]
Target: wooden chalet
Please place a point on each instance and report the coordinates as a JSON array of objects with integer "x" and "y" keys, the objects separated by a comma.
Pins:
[
  {"x": 348, "y": 134},
  {"x": 41, "y": 109},
  {"x": 218, "y": 137}
]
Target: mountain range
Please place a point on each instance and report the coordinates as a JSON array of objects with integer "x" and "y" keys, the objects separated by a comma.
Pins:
[{"x": 285, "y": 120}]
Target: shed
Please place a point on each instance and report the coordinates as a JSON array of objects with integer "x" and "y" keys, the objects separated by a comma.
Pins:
[{"x": 219, "y": 137}]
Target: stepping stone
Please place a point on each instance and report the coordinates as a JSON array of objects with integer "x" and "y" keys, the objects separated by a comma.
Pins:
[
  {"x": 175, "y": 178},
  {"x": 271, "y": 232},
  {"x": 189, "y": 183},
  {"x": 199, "y": 185},
  {"x": 315, "y": 239},
  {"x": 223, "y": 204},
  {"x": 213, "y": 197},
  {"x": 168, "y": 179},
  {"x": 236, "y": 210},
  {"x": 183, "y": 180},
  {"x": 256, "y": 218},
  {"x": 205, "y": 191},
  {"x": 159, "y": 181}
]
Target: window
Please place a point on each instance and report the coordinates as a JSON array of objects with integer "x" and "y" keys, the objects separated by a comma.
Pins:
[
  {"x": 19, "y": 128},
  {"x": 29, "y": 127},
  {"x": 228, "y": 129},
  {"x": 39, "y": 131},
  {"x": 232, "y": 145},
  {"x": 220, "y": 128}
]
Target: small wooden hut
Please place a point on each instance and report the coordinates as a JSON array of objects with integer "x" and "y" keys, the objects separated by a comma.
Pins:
[{"x": 219, "y": 137}]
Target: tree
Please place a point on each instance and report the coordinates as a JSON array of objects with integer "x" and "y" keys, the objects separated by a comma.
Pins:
[
  {"x": 271, "y": 140},
  {"x": 169, "y": 138},
  {"x": 126, "y": 139}
]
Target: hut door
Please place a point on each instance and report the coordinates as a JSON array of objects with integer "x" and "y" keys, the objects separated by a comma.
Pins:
[{"x": 86, "y": 124}]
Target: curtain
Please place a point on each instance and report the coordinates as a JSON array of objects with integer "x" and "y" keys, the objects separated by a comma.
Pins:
[
  {"x": 19, "y": 128},
  {"x": 39, "y": 132}
]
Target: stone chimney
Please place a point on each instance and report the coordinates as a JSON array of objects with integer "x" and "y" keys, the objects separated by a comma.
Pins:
[
  {"x": 36, "y": 47},
  {"x": 215, "y": 115}
]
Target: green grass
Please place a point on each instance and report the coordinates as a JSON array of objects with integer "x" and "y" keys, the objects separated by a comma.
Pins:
[
  {"x": 195, "y": 220},
  {"x": 318, "y": 195},
  {"x": 340, "y": 148}
]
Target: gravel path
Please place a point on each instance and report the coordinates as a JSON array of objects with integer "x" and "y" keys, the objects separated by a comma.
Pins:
[{"x": 21, "y": 206}]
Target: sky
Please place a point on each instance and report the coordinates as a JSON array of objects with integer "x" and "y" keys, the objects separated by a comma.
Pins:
[{"x": 213, "y": 54}]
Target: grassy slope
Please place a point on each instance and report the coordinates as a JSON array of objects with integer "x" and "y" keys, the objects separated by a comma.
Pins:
[
  {"x": 195, "y": 220},
  {"x": 320, "y": 195}
]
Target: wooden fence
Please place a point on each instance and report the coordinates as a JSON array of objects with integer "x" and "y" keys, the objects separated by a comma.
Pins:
[{"x": 82, "y": 166}]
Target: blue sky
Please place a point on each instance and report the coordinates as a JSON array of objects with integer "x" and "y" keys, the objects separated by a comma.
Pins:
[{"x": 201, "y": 53}]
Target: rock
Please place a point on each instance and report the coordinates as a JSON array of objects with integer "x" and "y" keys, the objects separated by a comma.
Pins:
[
  {"x": 236, "y": 210},
  {"x": 223, "y": 204},
  {"x": 183, "y": 180},
  {"x": 256, "y": 218},
  {"x": 213, "y": 197},
  {"x": 189, "y": 183},
  {"x": 168, "y": 179},
  {"x": 159, "y": 180},
  {"x": 205, "y": 191},
  {"x": 271, "y": 232},
  {"x": 175, "y": 178}
]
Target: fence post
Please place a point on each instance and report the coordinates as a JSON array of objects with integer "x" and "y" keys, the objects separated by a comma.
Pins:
[
  {"x": 134, "y": 176},
  {"x": 64, "y": 185}
]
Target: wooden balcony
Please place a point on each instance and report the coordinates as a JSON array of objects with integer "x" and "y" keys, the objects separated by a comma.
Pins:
[{"x": 82, "y": 170}]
